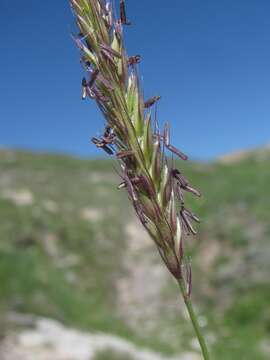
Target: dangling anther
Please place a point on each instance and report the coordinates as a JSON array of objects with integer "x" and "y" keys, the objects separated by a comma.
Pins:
[
  {"x": 101, "y": 144},
  {"x": 122, "y": 185},
  {"x": 185, "y": 216},
  {"x": 123, "y": 17},
  {"x": 133, "y": 60},
  {"x": 84, "y": 88},
  {"x": 151, "y": 101},
  {"x": 177, "y": 152}
]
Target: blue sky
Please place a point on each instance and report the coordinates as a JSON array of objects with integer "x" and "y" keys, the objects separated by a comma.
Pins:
[{"x": 209, "y": 60}]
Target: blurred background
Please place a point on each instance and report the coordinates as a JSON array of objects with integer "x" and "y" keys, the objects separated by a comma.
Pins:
[{"x": 80, "y": 279}]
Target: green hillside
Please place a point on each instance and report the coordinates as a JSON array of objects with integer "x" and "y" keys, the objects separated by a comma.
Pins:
[{"x": 70, "y": 249}]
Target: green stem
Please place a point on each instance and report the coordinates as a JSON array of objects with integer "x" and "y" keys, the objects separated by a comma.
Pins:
[{"x": 194, "y": 320}]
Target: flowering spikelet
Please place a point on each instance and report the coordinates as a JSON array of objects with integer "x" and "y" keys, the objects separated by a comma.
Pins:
[{"x": 155, "y": 189}]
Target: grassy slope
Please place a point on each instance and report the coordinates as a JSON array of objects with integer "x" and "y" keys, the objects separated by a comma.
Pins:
[{"x": 39, "y": 273}]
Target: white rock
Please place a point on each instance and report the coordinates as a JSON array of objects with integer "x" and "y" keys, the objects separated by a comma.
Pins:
[
  {"x": 19, "y": 197},
  {"x": 90, "y": 214},
  {"x": 50, "y": 206},
  {"x": 51, "y": 340}
]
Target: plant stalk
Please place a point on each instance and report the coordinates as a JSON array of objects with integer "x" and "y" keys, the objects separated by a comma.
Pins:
[{"x": 194, "y": 320}]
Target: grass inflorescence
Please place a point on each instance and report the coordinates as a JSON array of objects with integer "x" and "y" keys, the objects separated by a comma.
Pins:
[{"x": 155, "y": 188}]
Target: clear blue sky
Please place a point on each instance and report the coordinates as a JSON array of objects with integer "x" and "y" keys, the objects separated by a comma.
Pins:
[{"x": 209, "y": 60}]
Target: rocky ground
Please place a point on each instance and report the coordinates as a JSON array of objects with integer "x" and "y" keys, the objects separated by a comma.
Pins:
[
  {"x": 47, "y": 339},
  {"x": 71, "y": 250}
]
